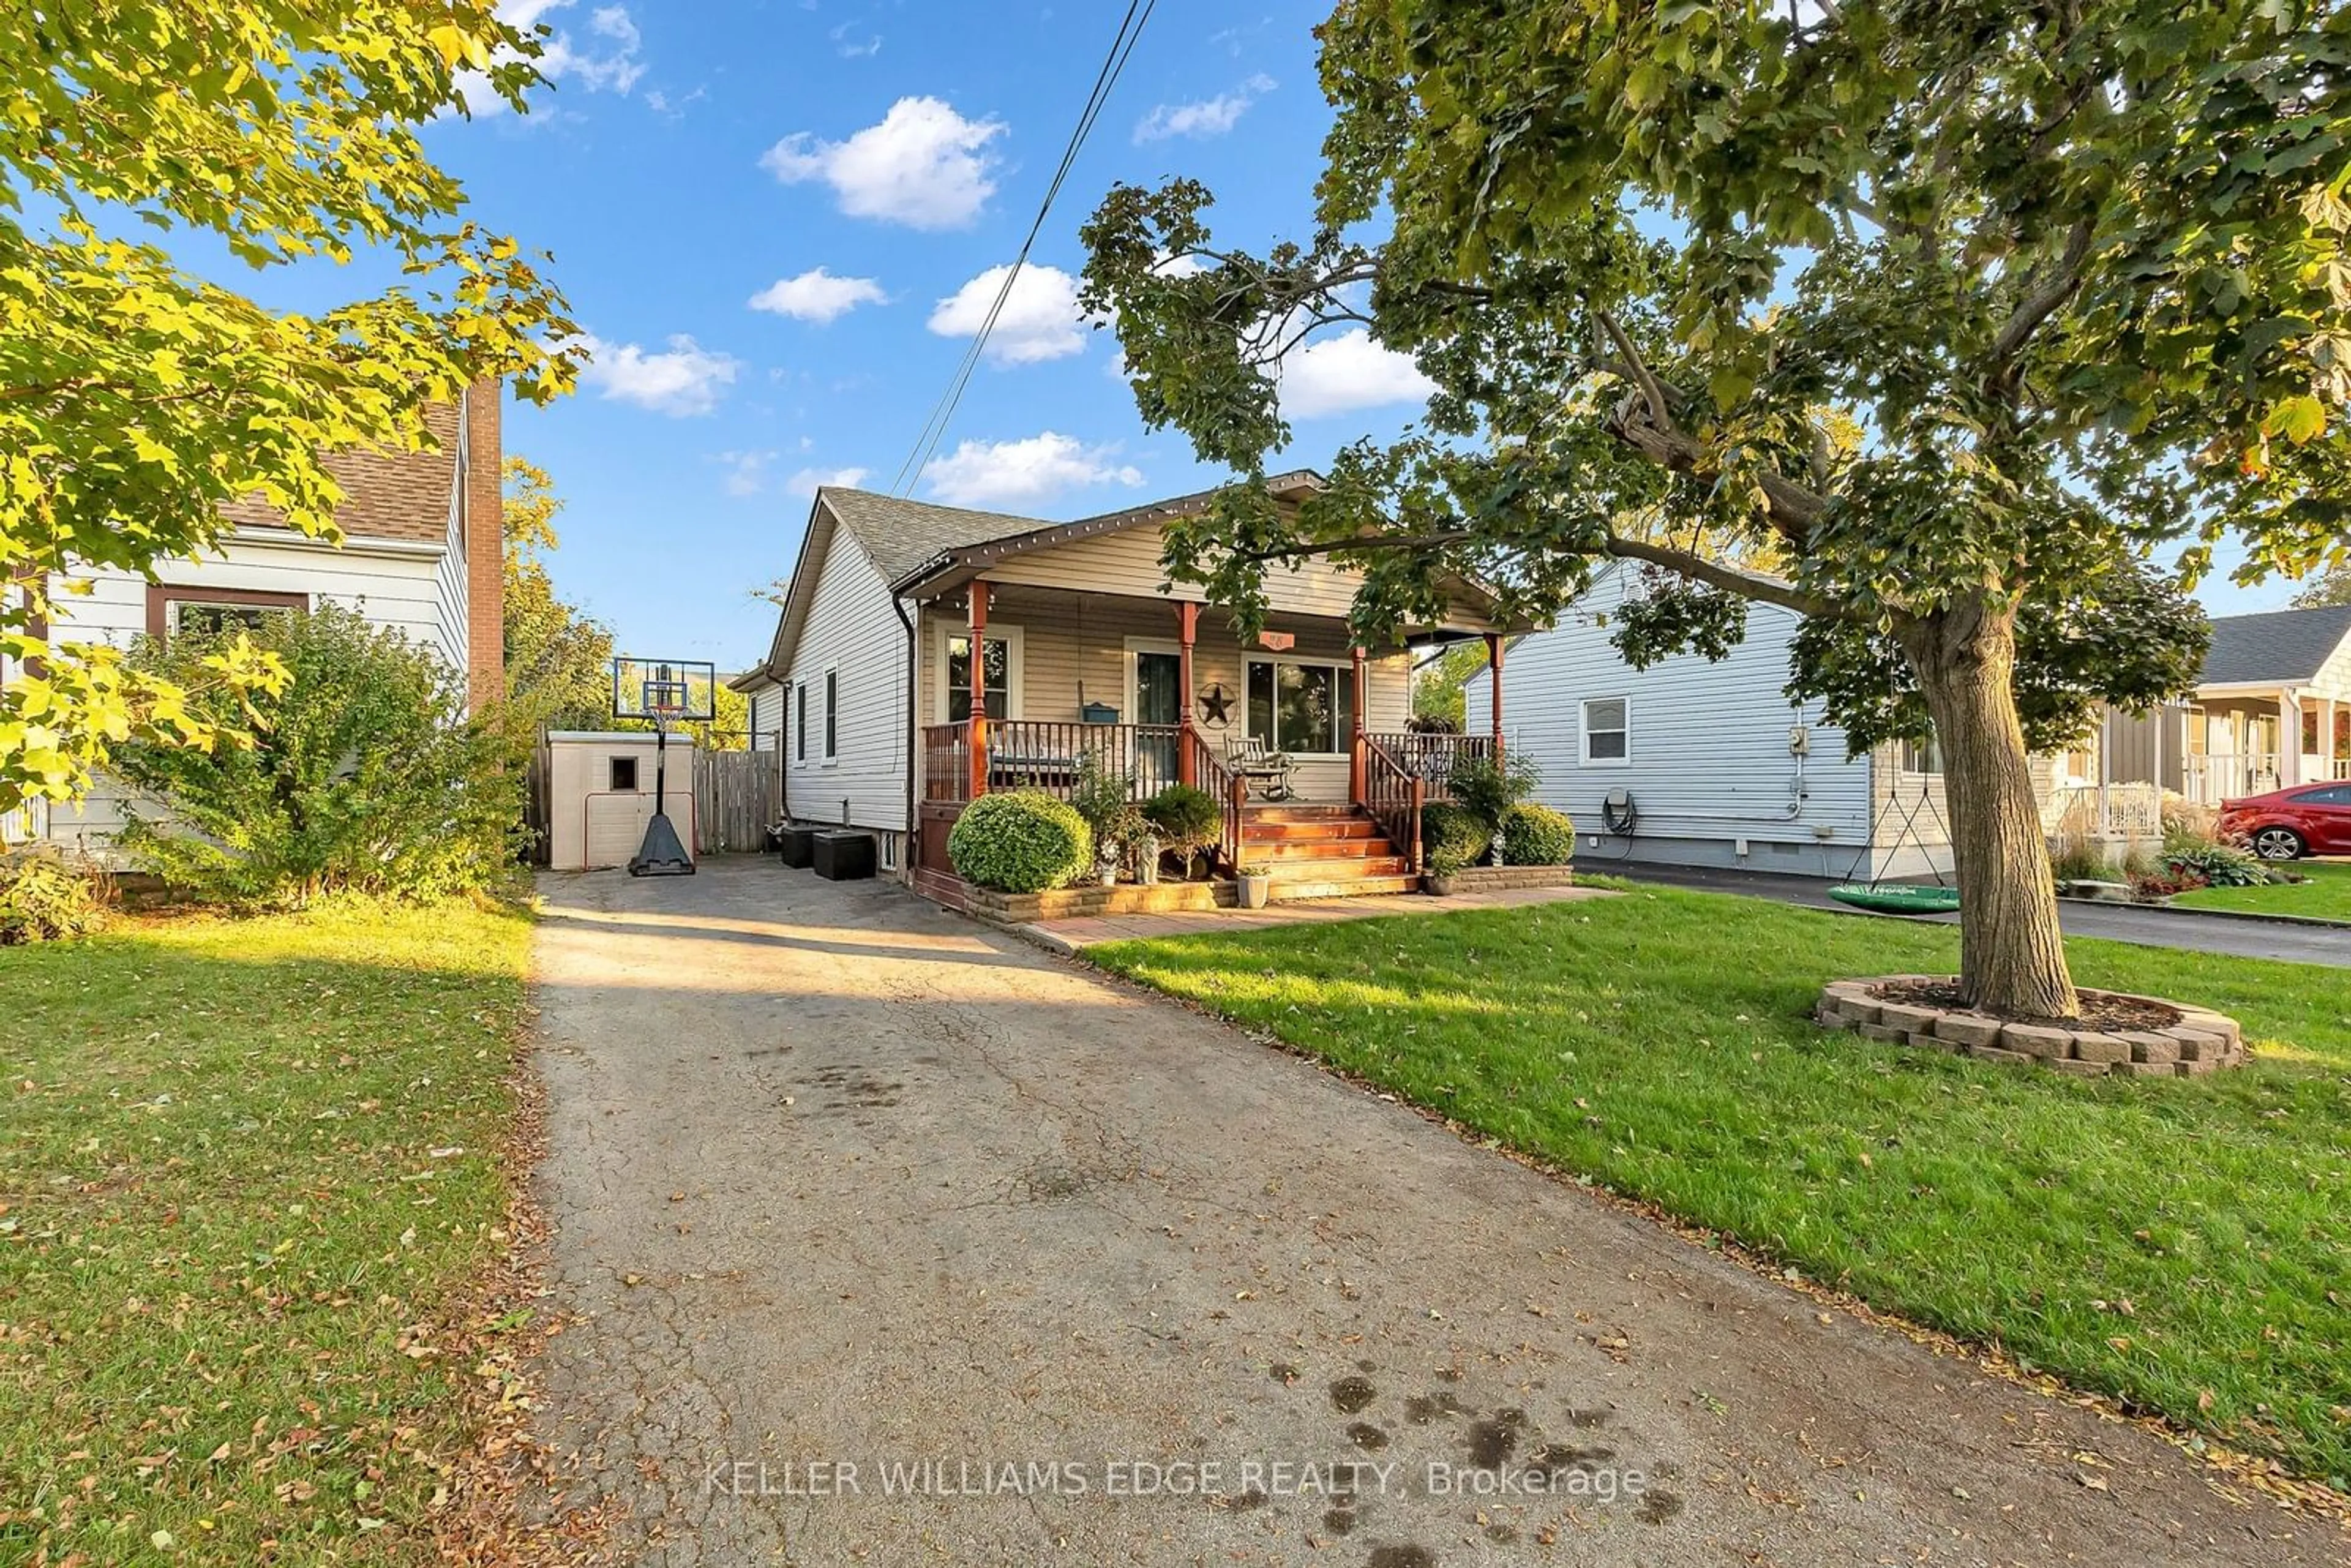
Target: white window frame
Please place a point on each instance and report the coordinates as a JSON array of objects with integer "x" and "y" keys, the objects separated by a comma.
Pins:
[
  {"x": 1341, "y": 669},
  {"x": 1015, "y": 667},
  {"x": 832, "y": 736},
  {"x": 1584, "y": 732},
  {"x": 1906, "y": 752}
]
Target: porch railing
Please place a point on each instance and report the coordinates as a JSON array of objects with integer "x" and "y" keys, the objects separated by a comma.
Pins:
[
  {"x": 1430, "y": 757},
  {"x": 1045, "y": 754},
  {"x": 2208, "y": 779},
  {"x": 1394, "y": 793},
  {"x": 1209, "y": 773}
]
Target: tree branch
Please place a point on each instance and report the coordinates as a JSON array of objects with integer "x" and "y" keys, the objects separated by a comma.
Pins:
[
  {"x": 1729, "y": 579},
  {"x": 1660, "y": 414},
  {"x": 2037, "y": 306}
]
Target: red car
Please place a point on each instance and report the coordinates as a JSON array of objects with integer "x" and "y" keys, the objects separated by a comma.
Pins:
[{"x": 2286, "y": 824}]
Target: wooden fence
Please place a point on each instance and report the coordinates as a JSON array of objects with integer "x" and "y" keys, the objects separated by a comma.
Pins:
[{"x": 737, "y": 797}]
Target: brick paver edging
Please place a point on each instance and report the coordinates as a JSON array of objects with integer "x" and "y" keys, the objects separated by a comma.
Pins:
[{"x": 2201, "y": 1041}]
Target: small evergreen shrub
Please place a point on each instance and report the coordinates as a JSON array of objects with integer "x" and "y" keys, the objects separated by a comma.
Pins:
[
  {"x": 1452, "y": 838},
  {"x": 1184, "y": 818},
  {"x": 43, "y": 897},
  {"x": 1536, "y": 835},
  {"x": 1020, "y": 840}
]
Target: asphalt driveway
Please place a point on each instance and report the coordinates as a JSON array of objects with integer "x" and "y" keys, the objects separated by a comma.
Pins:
[{"x": 896, "y": 1241}]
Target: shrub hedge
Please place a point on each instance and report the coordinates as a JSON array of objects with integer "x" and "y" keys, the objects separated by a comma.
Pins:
[
  {"x": 43, "y": 897},
  {"x": 1452, "y": 837},
  {"x": 1536, "y": 835},
  {"x": 1020, "y": 840}
]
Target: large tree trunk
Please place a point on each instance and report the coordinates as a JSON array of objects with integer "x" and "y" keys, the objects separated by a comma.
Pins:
[{"x": 2012, "y": 956}]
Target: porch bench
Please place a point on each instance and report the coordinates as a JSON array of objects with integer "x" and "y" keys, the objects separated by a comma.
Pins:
[{"x": 1012, "y": 770}]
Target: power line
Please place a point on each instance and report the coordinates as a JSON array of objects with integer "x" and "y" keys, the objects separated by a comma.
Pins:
[{"x": 934, "y": 429}]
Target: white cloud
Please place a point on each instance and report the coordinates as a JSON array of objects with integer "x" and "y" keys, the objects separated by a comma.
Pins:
[
  {"x": 1013, "y": 473},
  {"x": 854, "y": 49},
  {"x": 1349, "y": 372},
  {"x": 608, "y": 62},
  {"x": 817, "y": 296},
  {"x": 1204, "y": 118},
  {"x": 924, "y": 165},
  {"x": 747, "y": 472},
  {"x": 685, "y": 380},
  {"x": 1041, "y": 319},
  {"x": 808, "y": 481}
]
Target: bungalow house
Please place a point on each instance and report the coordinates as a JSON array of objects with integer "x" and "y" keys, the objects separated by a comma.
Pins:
[
  {"x": 926, "y": 655},
  {"x": 1710, "y": 764},
  {"x": 423, "y": 551}
]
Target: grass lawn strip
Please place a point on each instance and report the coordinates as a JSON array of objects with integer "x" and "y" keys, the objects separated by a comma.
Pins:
[
  {"x": 2325, "y": 896},
  {"x": 249, "y": 1169},
  {"x": 2184, "y": 1245}
]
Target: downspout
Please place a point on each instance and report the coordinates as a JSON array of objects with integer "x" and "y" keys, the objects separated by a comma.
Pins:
[{"x": 914, "y": 825}]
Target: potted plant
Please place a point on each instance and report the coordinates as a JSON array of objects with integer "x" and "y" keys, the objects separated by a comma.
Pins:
[{"x": 1257, "y": 886}]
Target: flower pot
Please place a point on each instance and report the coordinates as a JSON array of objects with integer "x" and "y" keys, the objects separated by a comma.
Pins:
[{"x": 1256, "y": 890}]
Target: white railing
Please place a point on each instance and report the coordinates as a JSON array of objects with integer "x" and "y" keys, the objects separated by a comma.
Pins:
[{"x": 2209, "y": 779}]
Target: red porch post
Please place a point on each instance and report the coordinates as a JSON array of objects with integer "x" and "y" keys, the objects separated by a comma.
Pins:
[
  {"x": 1355, "y": 758},
  {"x": 977, "y": 748},
  {"x": 1187, "y": 628},
  {"x": 1494, "y": 663}
]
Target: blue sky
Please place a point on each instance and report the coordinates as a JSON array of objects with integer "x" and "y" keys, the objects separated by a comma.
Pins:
[
  {"x": 778, "y": 220},
  {"x": 857, "y": 169}
]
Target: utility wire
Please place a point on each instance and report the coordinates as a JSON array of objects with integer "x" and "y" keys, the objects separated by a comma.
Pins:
[{"x": 934, "y": 429}]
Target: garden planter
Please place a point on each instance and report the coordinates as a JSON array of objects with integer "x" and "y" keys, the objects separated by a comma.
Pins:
[
  {"x": 796, "y": 846},
  {"x": 1256, "y": 888}
]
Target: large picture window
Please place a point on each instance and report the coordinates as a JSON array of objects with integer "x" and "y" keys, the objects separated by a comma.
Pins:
[
  {"x": 1301, "y": 707},
  {"x": 995, "y": 678}
]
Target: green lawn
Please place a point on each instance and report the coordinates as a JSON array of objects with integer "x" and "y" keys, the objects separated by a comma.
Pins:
[
  {"x": 2327, "y": 893},
  {"x": 244, "y": 1165},
  {"x": 2184, "y": 1244}
]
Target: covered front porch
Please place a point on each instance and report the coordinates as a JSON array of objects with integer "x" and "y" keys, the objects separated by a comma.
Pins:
[
  {"x": 1300, "y": 734},
  {"x": 2249, "y": 740}
]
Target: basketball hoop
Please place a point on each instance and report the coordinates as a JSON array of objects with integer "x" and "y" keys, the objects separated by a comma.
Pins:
[{"x": 666, "y": 691}]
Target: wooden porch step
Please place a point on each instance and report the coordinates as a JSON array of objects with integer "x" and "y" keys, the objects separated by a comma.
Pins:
[
  {"x": 1319, "y": 829},
  {"x": 1296, "y": 811},
  {"x": 1343, "y": 887},
  {"x": 1279, "y": 851}
]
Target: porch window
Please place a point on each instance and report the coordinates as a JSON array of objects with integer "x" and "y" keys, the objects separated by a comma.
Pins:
[
  {"x": 994, "y": 688},
  {"x": 1607, "y": 732},
  {"x": 212, "y": 611},
  {"x": 1923, "y": 757},
  {"x": 1301, "y": 707}
]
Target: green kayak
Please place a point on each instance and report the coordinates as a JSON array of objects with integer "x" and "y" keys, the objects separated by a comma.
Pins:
[{"x": 1898, "y": 898}]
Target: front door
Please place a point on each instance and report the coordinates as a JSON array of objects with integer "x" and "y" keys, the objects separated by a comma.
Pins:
[{"x": 1158, "y": 700}]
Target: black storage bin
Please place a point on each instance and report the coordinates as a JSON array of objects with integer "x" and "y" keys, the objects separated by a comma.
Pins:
[
  {"x": 797, "y": 845},
  {"x": 844, "y": 857}
]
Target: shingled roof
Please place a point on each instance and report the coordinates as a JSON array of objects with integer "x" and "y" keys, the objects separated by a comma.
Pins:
[
  {"x": 2282, "y": 646},
  {"x": 902, "y": 535}
]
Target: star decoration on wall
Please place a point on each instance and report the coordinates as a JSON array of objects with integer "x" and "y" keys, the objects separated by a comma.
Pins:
[{"x": 1217, "y": 707}]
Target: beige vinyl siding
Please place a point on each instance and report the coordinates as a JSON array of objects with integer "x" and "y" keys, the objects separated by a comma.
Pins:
[
  {"x": 1072, "y": 644},
  {"x": 853, "y": 631},
  {"x": 1127, "y": 563}
]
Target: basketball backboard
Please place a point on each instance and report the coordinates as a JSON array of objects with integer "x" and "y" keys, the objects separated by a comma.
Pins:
[{"x": 674, "y": 691}]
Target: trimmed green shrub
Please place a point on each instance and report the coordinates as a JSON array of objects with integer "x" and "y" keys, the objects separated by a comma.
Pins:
[
  {"x": 1536, "y": 835},
  {"x": 2216, "y": 864},
  {"x": 43, "y": 897},
  {"x": 1452, "y": 838},
  {"x": 1184, "y": 816},
  {"x": 1020, "y": 840},
  {"x": 365, "y": 774}
]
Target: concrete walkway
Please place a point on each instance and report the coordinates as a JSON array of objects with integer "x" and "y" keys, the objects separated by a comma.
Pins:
[
  {"x": 840, "y": 1180},
  {"x": 2185, "y": 929},
  {"x": 1072, "y": 935}
]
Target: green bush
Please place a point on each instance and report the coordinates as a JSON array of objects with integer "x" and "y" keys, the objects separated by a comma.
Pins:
[
  {"x": 43, "y": 897},
  {"x": 1486, "y": 789},
  {"x": 365, "y": 774},
  {"x": 1021, "y": 840},
  {"x": 1536, "y": 835},
  {"x": 1184, "y": 818},
  {"x": 1452, "y": 837}
]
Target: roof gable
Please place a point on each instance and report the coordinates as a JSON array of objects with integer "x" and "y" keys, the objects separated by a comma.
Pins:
[{"x": 2282, "y": 646}]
